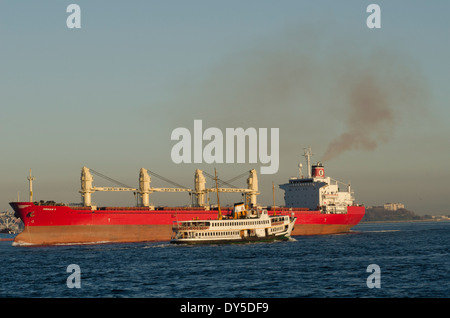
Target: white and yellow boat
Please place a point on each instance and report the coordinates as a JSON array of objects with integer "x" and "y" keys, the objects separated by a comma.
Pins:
[{"x": 254, "y": 225}]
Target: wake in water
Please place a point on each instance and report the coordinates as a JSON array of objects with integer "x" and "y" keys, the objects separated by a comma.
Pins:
[
  {"x": 381, "y": 231},
  {"x": 159, "y": 245}
]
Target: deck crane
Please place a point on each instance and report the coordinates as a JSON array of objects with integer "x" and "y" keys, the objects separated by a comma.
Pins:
[{"x": 200, "y": 191}]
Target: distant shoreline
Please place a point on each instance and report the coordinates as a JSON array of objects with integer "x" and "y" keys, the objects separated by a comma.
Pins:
[
  {"x": 400, "y": 221},
  {"x": 379, "y": 214}
]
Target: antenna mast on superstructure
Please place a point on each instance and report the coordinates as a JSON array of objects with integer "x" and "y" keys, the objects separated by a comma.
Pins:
[
  {"x": 273, "y": 193},
  {"x": 308, "y": 154},
  {"x": 218, "y": 202},
  {"x": 30, "y": 179}
]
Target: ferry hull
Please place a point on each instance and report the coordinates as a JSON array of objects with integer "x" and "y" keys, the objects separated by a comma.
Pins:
[
  {"x": 50, "y": 225},
  {"x": 271, "y": 238}
]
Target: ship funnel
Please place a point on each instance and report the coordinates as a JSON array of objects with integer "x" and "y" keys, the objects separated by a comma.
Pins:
[{"x": 318, "y": 171}]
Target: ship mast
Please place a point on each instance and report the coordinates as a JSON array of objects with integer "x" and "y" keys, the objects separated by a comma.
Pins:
[
  {"x": 218, "y": 201},
  {"x": 273, "y": 193},
  {"x": 308, "y": 154},
  {"x": 30, "y": 179}
]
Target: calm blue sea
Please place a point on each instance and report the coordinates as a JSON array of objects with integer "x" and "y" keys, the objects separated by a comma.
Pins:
[{"x": 413, "y": 261}]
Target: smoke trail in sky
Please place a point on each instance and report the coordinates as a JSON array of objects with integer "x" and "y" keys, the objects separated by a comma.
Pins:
[
  {"x": 313, "y": 90},
  {"x": 370, "y": 119},
  {"x": 378, "y": 97}
]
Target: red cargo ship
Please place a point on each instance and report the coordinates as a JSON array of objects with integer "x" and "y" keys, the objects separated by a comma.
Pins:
[
  {"x": 316, "y": 203},
  {"x": 52, "y": 224}
]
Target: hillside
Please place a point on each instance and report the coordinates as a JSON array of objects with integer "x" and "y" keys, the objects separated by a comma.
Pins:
[{"x": 380, "y": 214}]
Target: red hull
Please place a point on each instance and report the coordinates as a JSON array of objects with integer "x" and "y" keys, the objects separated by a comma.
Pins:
[{"x": 45, "y": 225}]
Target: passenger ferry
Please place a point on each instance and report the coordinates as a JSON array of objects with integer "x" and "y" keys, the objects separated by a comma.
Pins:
[{"x": 242, "y": 225}]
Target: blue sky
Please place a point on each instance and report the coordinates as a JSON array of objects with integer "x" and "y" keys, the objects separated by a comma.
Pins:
[{"x": 108, "y": 95}]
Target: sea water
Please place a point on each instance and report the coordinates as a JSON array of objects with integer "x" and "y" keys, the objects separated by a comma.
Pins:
[{"x": 412, "y": 258}]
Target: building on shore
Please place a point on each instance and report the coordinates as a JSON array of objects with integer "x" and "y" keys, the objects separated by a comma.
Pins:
[{"x": 393, "y": 206}]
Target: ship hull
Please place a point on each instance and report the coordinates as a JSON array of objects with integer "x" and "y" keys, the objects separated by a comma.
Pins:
[
  {"x": 50, "y": 225},
  {"x": 316, "y": 223},
  {"x": 92, "y": 234}
]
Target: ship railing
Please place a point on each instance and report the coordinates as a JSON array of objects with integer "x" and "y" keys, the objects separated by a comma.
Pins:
[
  {"x": 183, "y": 226},
  {"x": 333, "y": 209},
  {"x": 189, "y": 228},
  {"x": 77, "y": 204}
]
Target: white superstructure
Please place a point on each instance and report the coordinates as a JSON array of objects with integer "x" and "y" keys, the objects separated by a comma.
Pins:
[{"x": 317, "y": 191}]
